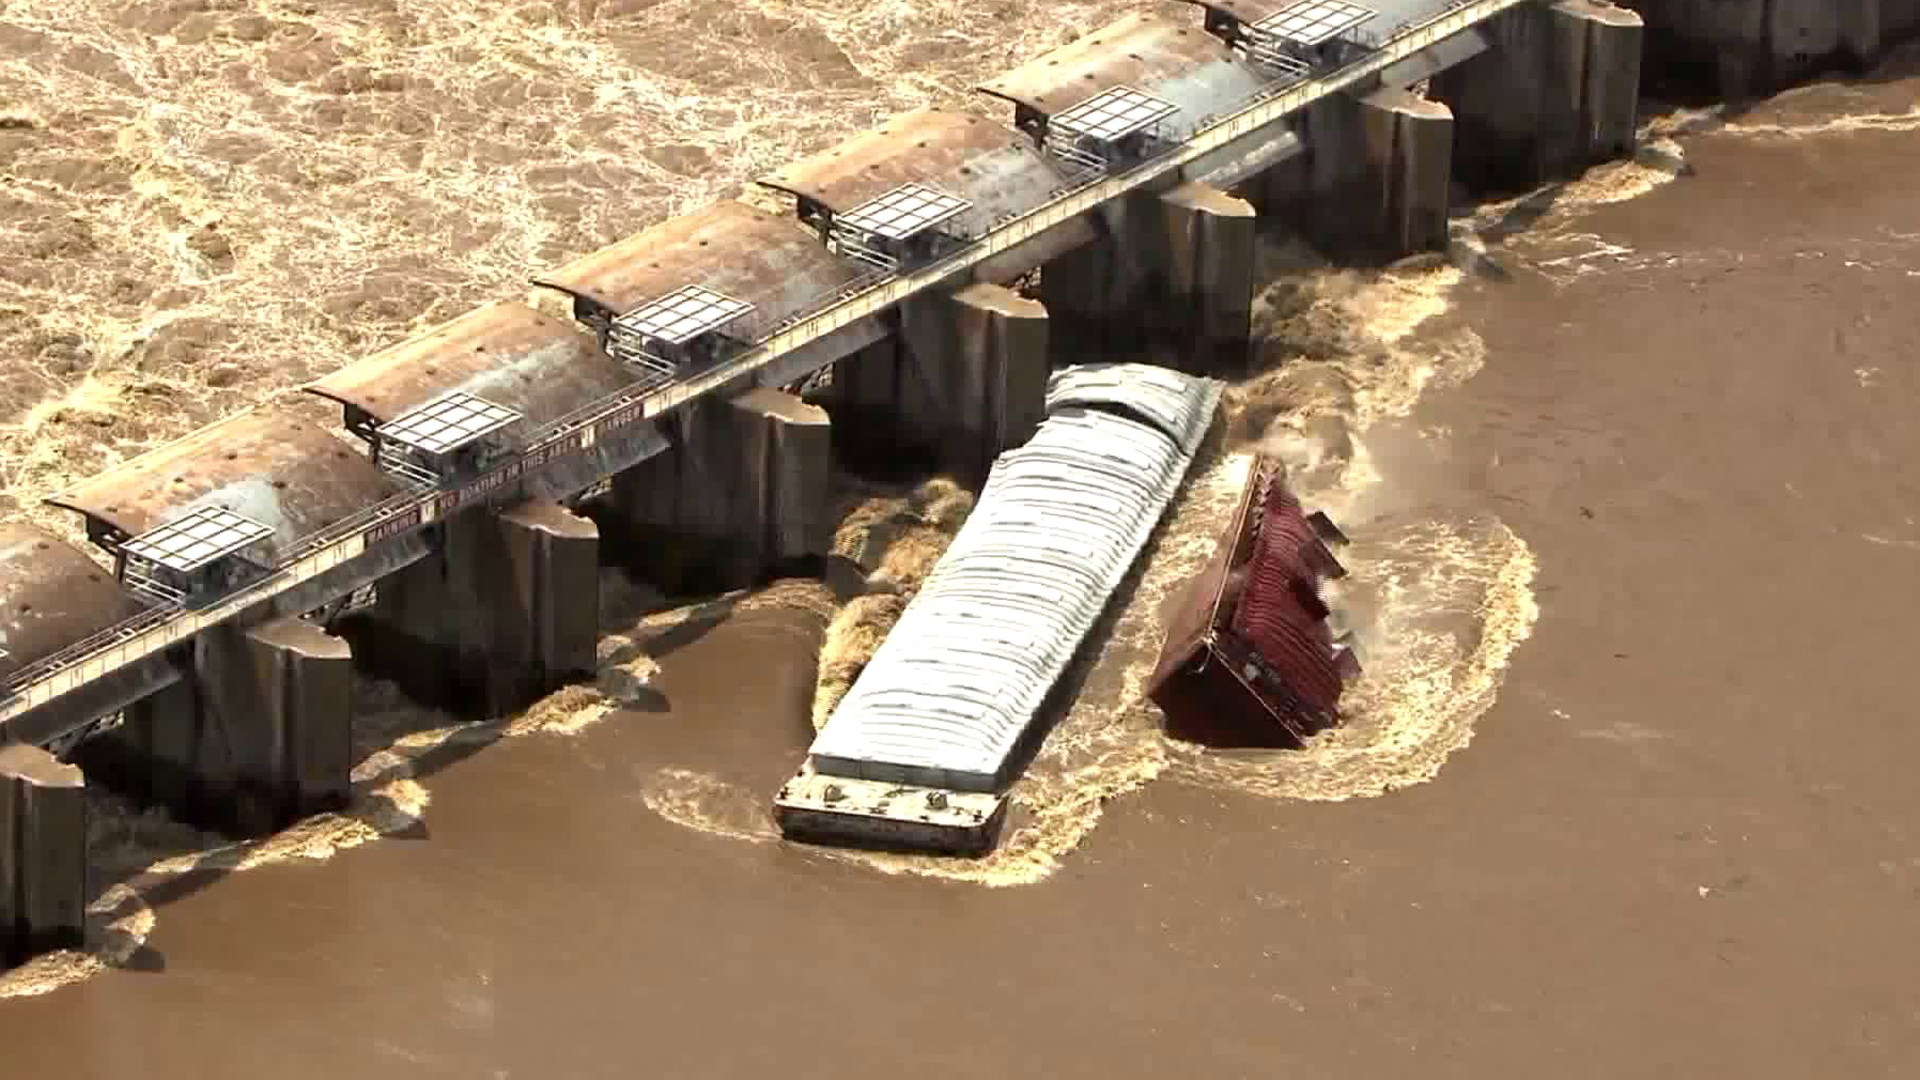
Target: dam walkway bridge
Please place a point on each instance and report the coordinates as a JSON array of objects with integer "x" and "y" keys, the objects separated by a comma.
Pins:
[{"x": 895, "y": 253}]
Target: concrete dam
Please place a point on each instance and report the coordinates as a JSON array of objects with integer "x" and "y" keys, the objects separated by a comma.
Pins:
[{"x": 687, "y": 416}]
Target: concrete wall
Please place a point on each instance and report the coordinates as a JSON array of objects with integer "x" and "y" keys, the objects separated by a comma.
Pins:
[
  {"x": 744, "y": 489},
  {"x": 1172, "y": 270},
  {"x": 255, "y": 735},
  {"x": 1740, "y": 48},
  {"x": 505, "y": 610},
  {"x": 1559, "y": 91},
  {"x": 43, "y": 853}
]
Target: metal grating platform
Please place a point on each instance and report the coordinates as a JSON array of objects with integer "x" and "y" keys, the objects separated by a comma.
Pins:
[
  {"x": 190, "y": 542},
  {"x": 904, "y": 212},
  {"x": 1112, "y": 115},
  {"x": 447, "y": 423},
  {"x": 1314, "y": 22},
  {"x": 682, "y": 315}
]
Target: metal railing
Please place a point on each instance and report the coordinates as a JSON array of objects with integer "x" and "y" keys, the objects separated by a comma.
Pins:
[
  {"x": 159, "y": 628},
  {"x": 406, "y": 472},
  {"x": 636, "y": 351},
  {"x": 852, "y": 244}
]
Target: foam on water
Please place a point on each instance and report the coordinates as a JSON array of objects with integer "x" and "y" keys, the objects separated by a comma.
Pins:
[{"x": 702, "y": 801}]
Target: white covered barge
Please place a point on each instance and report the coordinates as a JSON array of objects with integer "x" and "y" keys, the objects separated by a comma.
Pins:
[{"x": 921, "y": 751}]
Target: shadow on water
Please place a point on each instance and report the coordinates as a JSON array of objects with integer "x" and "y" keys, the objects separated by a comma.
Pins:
[
  {"x": 1693, "y": 76},
  {"x": 698, "y": 624}
]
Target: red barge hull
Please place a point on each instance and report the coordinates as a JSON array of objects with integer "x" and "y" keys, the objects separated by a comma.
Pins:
[{"x": 1249, "y": 658}]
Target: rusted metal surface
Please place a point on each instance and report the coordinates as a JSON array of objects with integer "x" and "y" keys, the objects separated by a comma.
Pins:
[
  {"x": 51, "y": 595},
  {"x": 266, "y": 463},
  {"x": 1179, "y": 63},
  {"x": 1249, "y": 659},
  {"x": 1389, "y": 15},
  {"x": 769, "y": 260},
  {"x": 505, "y": 353},
  {"x": 992, "y": 165},
  {"x": 1191, "y": 622},
  {"x": 1280, "y": 615},
  {"x": 1246, "y": 11}
]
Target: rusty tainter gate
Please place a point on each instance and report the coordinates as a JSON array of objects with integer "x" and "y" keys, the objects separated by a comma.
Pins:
[
  {"x": 970, "y": 156},
  {"x": 283, "y": 472},
  {"x": 751, "y": 270},
  {"x": 192, "y": 520},
  {"x": 1249, "y": 659},
  {"x": 765, "y": 259},
  {"x": 1180, "y": 64},
  {"x": 922, "y": 186},
  {"x": 449, "y": 404},
  {"x": 51, "y": 595},
  {"x": 505, "y": 353}
]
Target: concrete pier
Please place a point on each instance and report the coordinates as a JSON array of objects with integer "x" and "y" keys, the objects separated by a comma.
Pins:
[
  {"x": 965, "y": 378},
  {"x": 1410, "y": 152},
  {"x": 1375, "y": 177},
  {"x": 1206, "y": 254},
  {"x": 1743, "y": 48},
  {"x": 506, "y": 609},
  {"x": 743, "y": 489},
  {"x": 43, "y": 853},
  {"x": 256, "y": 735},
  {"x": 280, "y": 696},
  {"x": 1406, "y": 171},
  {"x": 1558, "y": 92},
  {"x": 1171, "y": 269}
]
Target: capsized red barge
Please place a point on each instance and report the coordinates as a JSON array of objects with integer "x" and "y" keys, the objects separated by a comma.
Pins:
[{"x": 1249, "y": 659}]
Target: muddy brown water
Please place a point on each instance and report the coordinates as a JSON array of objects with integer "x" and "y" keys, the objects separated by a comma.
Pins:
[{"x": 1683, "y": 842}]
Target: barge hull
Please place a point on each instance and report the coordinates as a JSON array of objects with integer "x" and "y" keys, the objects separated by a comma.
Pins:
[{"x": 844, "y": 812}]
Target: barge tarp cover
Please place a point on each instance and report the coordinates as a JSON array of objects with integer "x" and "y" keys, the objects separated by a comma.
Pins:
[{"x": 949, "y": 694}]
